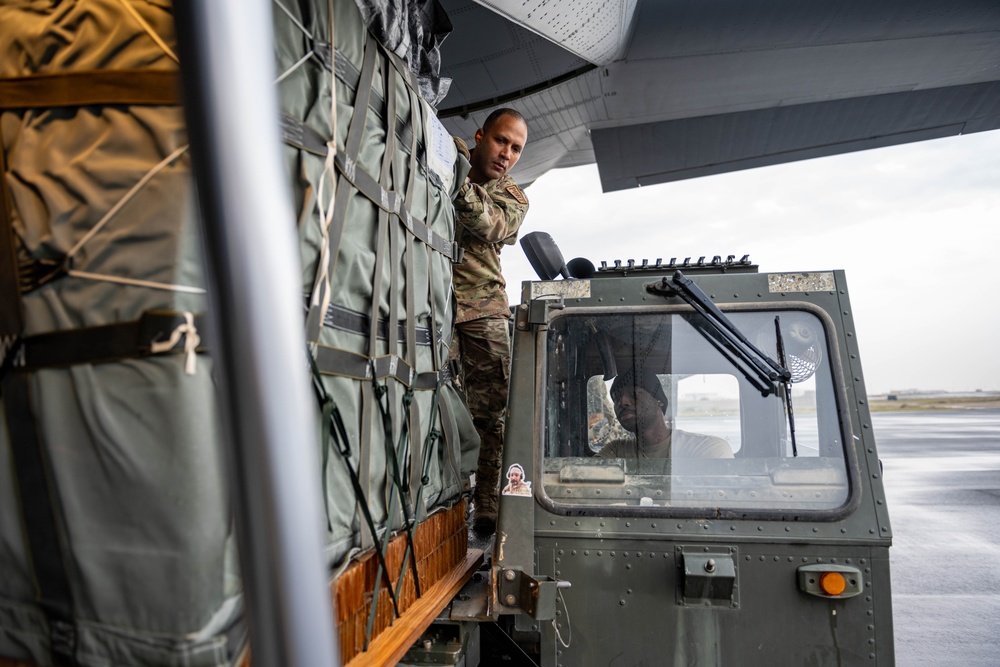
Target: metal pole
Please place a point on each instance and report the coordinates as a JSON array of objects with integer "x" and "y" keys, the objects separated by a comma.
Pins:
[{"x": 227, "y": 53}]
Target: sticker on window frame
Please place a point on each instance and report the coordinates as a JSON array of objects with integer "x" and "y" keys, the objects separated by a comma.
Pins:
[{"x": 519, "y": 486}]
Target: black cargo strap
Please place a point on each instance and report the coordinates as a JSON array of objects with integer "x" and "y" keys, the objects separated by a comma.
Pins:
[
  {"x": 335, "y": 361},
  {"x": 384, "y": 184},
  {"x": 334, "y": 432},
  {"x": 296, "y": 133},
  {"x": 429, "y": 447},
  {"x": 365, "y": 459},
  {"x": 91, "y": 88},
  {"x": 300, "y": 135},
  {"x": 155, "y": 332},
  {"x": 38, "y": 511},
  {"x": 11, "y": 315},
  {"x": 452, "y": 441},
  {"x": 345, "y": 319},
  {"x": 430, "y": 440},
  {"x": 407, "y": 251},
  {"x": 31, "y": 478},
  {"x": 396, "y": 489},
  {"x": 34, "y": 272},
  {"x": 416, "y": 451}
]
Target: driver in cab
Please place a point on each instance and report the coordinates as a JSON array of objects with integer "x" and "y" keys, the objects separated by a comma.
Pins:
[{"x": 640, "y": 406}]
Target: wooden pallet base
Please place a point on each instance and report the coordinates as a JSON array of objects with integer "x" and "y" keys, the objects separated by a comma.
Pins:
[
  {"x": 393, "y": 642},
  {"x": 441, "y": 545}
]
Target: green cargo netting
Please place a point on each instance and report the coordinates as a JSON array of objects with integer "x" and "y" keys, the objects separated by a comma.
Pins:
[
  {"x": 382, "y": 315},
  {"x": 138, "y": 563}
]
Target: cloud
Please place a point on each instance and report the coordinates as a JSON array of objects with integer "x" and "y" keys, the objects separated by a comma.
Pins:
[{"x": 914, "y": 227}]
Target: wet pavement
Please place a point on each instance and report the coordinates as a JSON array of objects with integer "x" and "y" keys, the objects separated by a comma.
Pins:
[{"x": 942, "y": 476}]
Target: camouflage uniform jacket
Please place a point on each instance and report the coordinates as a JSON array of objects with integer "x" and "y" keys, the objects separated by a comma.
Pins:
[{"x": 487, "y": 217}]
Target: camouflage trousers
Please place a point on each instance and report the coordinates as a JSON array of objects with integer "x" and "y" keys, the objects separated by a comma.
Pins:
[{"x": 483, "y": 349}]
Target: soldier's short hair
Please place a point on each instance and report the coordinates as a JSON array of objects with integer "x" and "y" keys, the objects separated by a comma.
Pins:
[{"x": 500, "y": 113}]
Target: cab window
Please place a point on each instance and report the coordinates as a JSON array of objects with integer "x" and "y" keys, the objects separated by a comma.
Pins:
[{"x": 649, "y": 410}]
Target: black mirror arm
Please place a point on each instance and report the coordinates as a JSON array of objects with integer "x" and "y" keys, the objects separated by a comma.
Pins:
[
  {"x": 767, "y": 370},
  {"x": 732, "y": 354},
  {"x": 787, "y": 384}
]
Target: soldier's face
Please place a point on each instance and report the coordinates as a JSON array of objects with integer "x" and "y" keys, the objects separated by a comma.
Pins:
[
  {"x": 514, "y": 476},
  {"x": 634, "y": 406},
  {"x": 498, "y": 149}
]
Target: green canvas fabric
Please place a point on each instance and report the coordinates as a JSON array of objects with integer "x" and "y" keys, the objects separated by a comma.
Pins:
[
  {"x": 138, "y": 489},
  {"x": 139, "y": 492},
  {"x": 358, "y": 278}
]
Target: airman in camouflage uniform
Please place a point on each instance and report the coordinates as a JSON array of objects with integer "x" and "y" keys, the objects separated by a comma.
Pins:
[{"x": 489, "y": 210}]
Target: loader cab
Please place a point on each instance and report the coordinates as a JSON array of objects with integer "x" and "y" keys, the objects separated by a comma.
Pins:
[{"x": 743, "y": 522}]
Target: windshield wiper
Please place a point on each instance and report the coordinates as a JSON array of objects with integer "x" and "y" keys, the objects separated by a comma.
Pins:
[{"x": 758, "y": 368}]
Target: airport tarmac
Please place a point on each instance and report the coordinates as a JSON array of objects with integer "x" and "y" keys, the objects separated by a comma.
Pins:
[{"x": 942, "y": 475}]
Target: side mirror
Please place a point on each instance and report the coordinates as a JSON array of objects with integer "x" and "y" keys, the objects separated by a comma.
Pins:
[
  {"x": 543, "y": 255},
  {"x": 581, "y": 267},
  {"x": 545, "y": 258}
]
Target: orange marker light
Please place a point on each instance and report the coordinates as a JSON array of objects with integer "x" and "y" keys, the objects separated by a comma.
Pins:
[{"x": 832, "y": 583}]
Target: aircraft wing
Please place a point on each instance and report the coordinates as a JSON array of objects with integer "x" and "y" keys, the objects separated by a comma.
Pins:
[{"x": 662, "y": 90}]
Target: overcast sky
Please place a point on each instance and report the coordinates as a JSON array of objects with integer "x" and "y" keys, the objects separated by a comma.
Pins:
[{"x": 915, "y": 227}]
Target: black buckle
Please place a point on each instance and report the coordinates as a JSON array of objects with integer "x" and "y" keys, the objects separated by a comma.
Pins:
[{"x": 62, "y": 642}]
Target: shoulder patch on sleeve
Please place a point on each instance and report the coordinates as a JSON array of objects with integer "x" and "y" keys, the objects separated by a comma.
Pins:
[
  {"x": 462, "y": 148},
  {"x": 517, "y": 194}
]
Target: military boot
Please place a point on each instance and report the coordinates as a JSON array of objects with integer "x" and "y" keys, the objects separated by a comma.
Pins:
[{"x": 486, "y": 499}]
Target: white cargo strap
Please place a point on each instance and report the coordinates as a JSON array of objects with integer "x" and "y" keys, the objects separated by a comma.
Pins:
[
  {"x": 309, "y": 54},
  {"x": 312, "y": 52},
  {"x": 569, "y": 628},
  {"x": 319, "y": 300},
  {"x": 135, "y": 282},
  {"x": 163, "y": 164},
  {"x": 321, "y": 289},
  {"x": 332, "y": 215},
  {"x": 191, "y": 342},
  {"x": 149, "y": 30}
]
